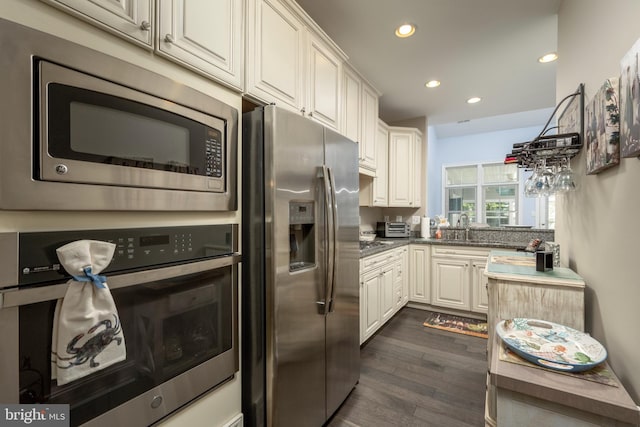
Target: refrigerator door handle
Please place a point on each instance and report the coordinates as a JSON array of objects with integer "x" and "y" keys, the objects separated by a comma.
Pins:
[
  {"x": 329, "y": 238},
  {"x": 334, "y": 238}
]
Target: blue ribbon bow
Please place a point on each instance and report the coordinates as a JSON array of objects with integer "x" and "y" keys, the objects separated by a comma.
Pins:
[{"x": 90, "y": 277}]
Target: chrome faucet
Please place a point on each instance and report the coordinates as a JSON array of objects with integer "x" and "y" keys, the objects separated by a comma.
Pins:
[{"x": 464, "y": 222}]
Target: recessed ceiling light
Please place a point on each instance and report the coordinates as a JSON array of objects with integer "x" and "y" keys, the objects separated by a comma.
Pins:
[
  {"x": 549, "y": 57},
  {"x": 474, "y": 100},
  {"x": 405, "y": 30},
  {"x": 432, "y": 83}
]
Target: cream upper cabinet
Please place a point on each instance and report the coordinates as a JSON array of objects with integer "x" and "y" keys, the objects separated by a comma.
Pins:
[
  {"x": 401, "y": 165},
  {"x": 325, "y": 73},
  {"x": 405, "y": 167},
  {"x": 360, "y": 118},
  {"x": 351, "y": 105},
  {"x": 205, "y": 35},
  {"x": 276, "y": 41},
  {"x": 380, "y": 187},
  {"x": 417, "y": 170},
  {"x": 291, "y": 62},
  {"x": 369, "y": 127},
  {"x": 131, "y": 19}
]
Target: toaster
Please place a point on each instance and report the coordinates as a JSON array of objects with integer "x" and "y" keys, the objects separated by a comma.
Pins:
[{"x": 392, "y": 229}]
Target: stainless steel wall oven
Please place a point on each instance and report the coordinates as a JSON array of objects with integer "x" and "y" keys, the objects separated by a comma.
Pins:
[
  {"x": 83, "y": 130},
  {"x": 175, "y": 289}
]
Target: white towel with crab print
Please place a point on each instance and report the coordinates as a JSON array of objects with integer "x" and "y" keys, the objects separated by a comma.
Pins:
[{"x": 87, "y": 335}]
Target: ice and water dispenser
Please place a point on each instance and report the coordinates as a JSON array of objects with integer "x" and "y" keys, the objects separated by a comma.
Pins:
[{"x": 302, "y": 242}]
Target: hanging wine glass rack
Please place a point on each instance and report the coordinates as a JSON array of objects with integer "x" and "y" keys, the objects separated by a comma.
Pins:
[{"x": 553, "y": 149}]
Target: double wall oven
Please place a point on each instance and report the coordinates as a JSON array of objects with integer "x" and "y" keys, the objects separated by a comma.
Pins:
[
  {"x": 84, "y": 131},
  {"x": 175, "y": 289}
]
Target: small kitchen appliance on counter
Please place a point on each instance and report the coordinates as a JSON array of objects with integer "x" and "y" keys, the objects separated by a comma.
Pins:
[{"x": 392, "y": 229}]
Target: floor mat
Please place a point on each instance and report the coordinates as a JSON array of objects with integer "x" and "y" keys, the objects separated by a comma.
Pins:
[{"x": 457, "y": 324}]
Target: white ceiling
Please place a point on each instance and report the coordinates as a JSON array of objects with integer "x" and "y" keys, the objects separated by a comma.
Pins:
[{"x": 485, "y": 48}]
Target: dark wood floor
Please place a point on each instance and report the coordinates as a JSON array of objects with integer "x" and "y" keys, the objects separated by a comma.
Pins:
[{"x": 417, "y": 376}]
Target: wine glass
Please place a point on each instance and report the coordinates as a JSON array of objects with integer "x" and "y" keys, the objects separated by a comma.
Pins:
[
  {"x": 564, "y": 178},
  {"x": 530, "y": 189},
  {"x": 545, "y": 181}
]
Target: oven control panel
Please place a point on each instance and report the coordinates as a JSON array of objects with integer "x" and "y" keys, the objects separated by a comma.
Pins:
[{"x": 136, "y": 248}]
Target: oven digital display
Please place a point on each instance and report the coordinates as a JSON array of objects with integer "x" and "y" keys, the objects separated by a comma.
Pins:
[{"x": 162, "y": 239}]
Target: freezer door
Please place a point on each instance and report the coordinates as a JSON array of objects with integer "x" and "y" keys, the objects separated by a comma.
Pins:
[
  {"x": 342, "y": 321},
  {"x": 294, "y": 215}
]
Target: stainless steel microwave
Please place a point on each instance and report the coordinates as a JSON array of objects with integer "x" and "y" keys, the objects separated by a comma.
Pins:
[{"x": 81, "y": 130}]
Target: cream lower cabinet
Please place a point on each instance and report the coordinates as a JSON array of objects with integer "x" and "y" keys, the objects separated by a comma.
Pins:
[
  {"x": 382, "y": 283},
  {"x": 419, "y": 278},
  {"x": 457, "y": 278},
  {"x": 450, "y": 282},
  {"x": 479, "y": 285}
]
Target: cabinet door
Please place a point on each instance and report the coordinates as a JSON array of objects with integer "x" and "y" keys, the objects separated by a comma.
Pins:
[
  {"x": 350, "y": 125},
  {"x": 275, "y": 69},
  {"x": 370, "y": 319},
  {"x": 401, "y": 163},
  {"x": 205, "y": 36},
  {"x": 404, "y": 285},
  {"x": 387, "y": 285},
  {"x": 479, "y": 295},
  {"x": 419, "y": 279},
  {"x": 129, "y": 19},
  {"x": 325, "y": 70},
  {"x": 450, "y": 282},
  {"x": 381, "y": 180},
  {"x": 417, "y": 171},
  {"x": 369, "y": 127}
]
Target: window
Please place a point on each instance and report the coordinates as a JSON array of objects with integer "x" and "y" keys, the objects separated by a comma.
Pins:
[{"x": 485, "y": 192}]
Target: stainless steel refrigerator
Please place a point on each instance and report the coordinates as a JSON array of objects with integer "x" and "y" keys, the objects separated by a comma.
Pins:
[{"x": 300, "y": 294}]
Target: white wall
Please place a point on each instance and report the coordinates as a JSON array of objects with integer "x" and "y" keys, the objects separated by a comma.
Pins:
[
  {"x": 221, "y": 405},
  {"x": 597, "y": 226}
]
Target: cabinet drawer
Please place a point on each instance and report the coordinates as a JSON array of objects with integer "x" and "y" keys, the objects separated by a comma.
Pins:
[
  {"x": 460, "y": 251},
  {"x": 380, "y": 259}
]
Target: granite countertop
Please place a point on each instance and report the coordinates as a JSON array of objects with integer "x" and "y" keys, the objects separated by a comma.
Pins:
[{"x": 394, "y": 243}]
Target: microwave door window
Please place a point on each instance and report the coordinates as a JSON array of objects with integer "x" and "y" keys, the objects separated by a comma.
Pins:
[
  {"x": 95, "y": 127},
  {"x": 123, "y": 136}
]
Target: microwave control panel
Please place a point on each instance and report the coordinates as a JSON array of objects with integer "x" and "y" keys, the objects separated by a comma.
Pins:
[{"x": 214, "y": 155}]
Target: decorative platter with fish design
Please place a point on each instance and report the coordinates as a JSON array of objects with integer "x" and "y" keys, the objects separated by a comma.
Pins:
[{"x": 551, "y": 345}]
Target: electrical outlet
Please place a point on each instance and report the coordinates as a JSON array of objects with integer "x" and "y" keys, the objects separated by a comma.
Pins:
[{"x": 415, "y": 219}]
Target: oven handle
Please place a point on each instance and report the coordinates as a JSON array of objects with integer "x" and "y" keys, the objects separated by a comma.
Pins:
[{"x": 18, "y": 297}]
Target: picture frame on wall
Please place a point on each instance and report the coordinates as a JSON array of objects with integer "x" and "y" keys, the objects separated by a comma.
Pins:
[
  {"x": 630, "y": 102},
  {"x": 602, "y": 128},
  {"x": 572, "y": 118}
]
